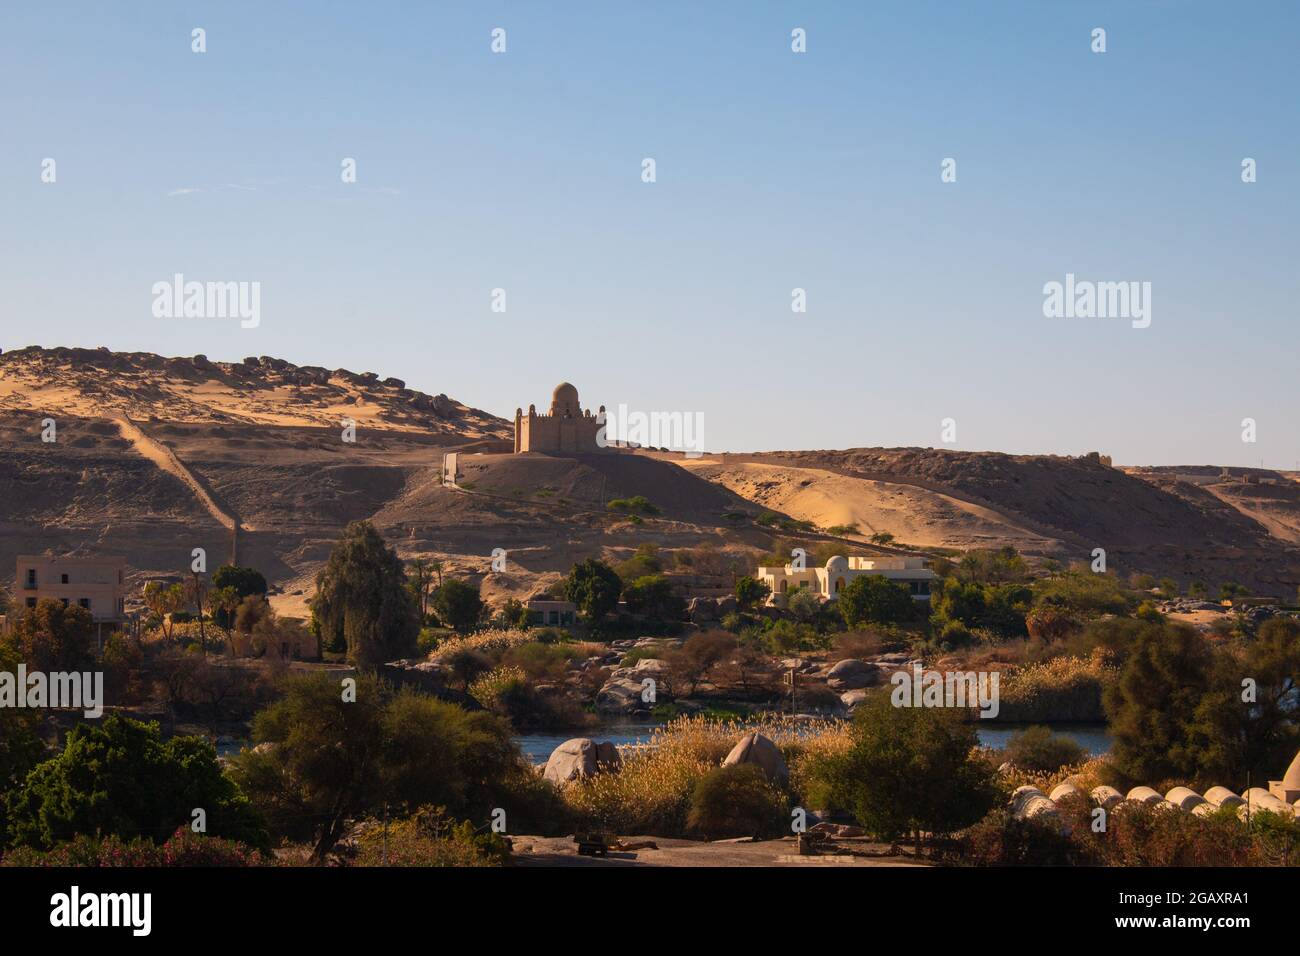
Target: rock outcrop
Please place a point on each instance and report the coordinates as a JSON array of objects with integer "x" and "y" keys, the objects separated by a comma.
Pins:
[
  {"x": 580, "y": 757},
  {"x": 757, "y": 749}
]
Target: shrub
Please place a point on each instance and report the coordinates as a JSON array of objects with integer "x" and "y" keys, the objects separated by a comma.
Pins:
[
  {"x": 1038, "y": 749},
  {"x": 643, "y": 563},
  {"x": 636, "y": 505},
  {"x": 736, "y": 801},
  {"x": 911, "y": 770},
  {"x": 692, "y": 662},
  {"x": 1084, "y": 594},
  {"x": 1001, "y": 840},
  {"x": 182, "y": 848},
  {"x": 429, "y": 837},
  {"x": 1050, "y": 623},
  {"x": 490, "y": 689},
  {"x": 954, "y": 636},
  {"x": 1061, "y": 689},
  {"x": 652, "y": 791},
  {"x": 654, "y": 596}
]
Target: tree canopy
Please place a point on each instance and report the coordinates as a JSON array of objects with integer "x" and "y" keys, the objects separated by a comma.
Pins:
[
  {"x": 594, "y": 587},
  {"x": 120, "y": 777},
  {"x": 362, "y": 604}
]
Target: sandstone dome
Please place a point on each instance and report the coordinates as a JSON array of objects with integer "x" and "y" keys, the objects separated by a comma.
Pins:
[
  {"x": 838, "y": 564},
  {"x": 564, "y": 400}
]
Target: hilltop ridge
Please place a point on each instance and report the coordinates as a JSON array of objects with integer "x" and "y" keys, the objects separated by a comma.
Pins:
[{"x": 259, "y": 390}]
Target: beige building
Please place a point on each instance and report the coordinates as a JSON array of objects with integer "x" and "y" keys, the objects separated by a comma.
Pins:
[
  {"x": 545, "y": 611},
  {"x": 827, "y": 582},
  {"x": 98, "y": 584},
  {"x": 566, "y": 427},
  {"x": 1288, "y": 788}
]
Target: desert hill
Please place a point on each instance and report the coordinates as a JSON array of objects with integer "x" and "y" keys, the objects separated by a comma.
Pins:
[
  {"x": 257, "y": 391},
  {"x": 155, "y": 456},
  {"x": 1044, "y": 505}
]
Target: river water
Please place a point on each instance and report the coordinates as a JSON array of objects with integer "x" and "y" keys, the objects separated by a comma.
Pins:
[{"x": 537, "y": 747}]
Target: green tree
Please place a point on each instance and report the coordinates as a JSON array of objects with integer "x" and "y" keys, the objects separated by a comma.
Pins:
[
  {"x": 750, "y": 592},
  {"x": 644, "y": 562},
  {"x": 419, "y": 578},
  {"x": 1153, "y": 708},
  {"x": 362, "y": 602},
  {"x": 21, "y": 747},
  {"x": 336, "y": 761},
  {"x": 225, "y": 602},
  {"x": 120, "y": 777},
  {"x": 654, "y": 596},
  {"x": 458, "y": 604},
  {"x": 874, "y": 599},
  {"x": 692, "y": 662},
  {"x": 1234, "y": 736},
  {"x": 164, "y": 600},
  {"x": 54, "y": 637},
  {"x": 910, "y": 770},
  {"x": 245, "y": 582},
  {"x": 594, "y": 587}
]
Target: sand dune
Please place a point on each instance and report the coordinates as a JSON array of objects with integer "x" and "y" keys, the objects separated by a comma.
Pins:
[{"x": 916, "y": 516}]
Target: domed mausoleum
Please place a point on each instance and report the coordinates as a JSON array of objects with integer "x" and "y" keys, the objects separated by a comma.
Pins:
[{"x": 566, "y": 427}]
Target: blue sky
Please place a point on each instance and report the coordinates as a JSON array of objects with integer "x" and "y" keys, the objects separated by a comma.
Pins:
[{"x": 775, "y": 170}]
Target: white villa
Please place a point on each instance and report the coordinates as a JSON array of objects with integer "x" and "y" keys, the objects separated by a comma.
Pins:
[{"x": 827, "y": 582}]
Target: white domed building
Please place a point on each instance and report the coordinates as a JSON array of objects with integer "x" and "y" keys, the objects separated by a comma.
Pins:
[{"x": 827, "y": 582}]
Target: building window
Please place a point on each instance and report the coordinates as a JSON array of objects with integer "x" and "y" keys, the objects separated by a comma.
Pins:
[
  {"x": 84, "y": 602},
  {"x": 65, "y": 601},
  {"x": 31, "y": 602},
  {"x": 63, "y": 579},
  {"x": 31, "y": 577}
]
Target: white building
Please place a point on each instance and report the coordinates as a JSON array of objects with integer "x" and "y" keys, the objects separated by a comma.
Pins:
[{"x": 827, "y": 582}]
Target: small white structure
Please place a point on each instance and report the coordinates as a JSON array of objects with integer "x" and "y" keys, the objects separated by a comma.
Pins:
[
  {"x": 1288, "y": 788},
  {"x": 829, "y": 581}
]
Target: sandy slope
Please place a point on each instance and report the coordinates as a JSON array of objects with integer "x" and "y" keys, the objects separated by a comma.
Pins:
[{"x": 913, "y": 515}]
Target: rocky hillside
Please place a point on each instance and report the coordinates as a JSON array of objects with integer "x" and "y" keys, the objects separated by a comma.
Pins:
[
  {"x": 1046, "y": 505},
  {"x": 261, "y": 390}
]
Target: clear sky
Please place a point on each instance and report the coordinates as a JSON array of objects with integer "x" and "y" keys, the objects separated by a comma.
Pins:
[{"x": 775, "y": 170}]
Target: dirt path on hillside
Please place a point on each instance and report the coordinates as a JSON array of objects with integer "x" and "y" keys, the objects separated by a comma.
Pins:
[{"x": 166, "y": 459}]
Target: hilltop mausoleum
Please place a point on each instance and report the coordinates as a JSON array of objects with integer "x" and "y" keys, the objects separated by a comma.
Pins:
[{"x": 566, "y": 427}]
